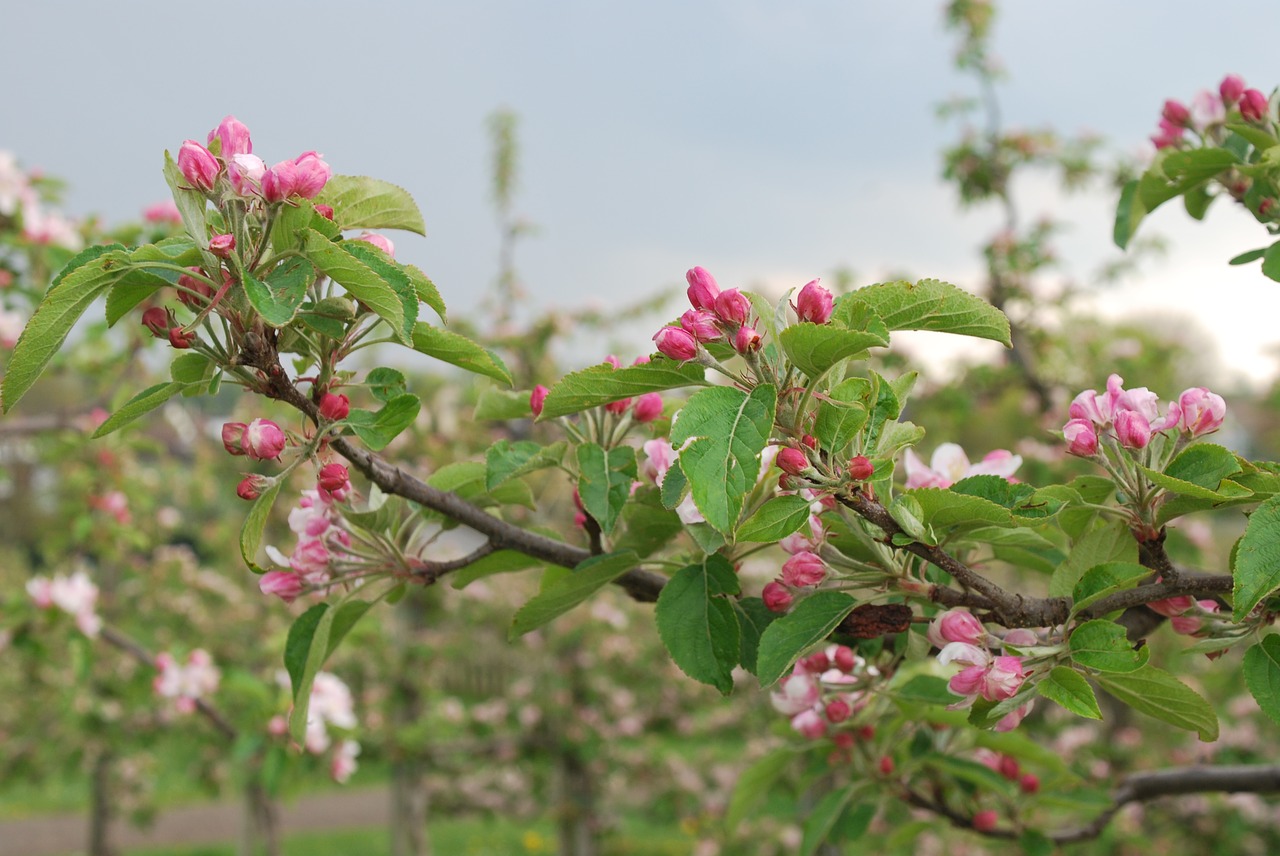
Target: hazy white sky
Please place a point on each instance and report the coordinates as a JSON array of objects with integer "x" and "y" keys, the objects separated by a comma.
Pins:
[{"x": 769, "y": 142}]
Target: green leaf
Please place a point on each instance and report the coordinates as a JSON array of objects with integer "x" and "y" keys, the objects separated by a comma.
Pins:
[
  {"x": 501, "y": 404},
  {"x": 1198, "y": 472},
  {"x": 360, "y": 281},
  {"x": 298, "y": 644},
  {"x": 377, "y": 430},
  {"x": 776, "y": 519},
  {"x": 1262, "y": 675},
  {"x": 818, "y": 826},
  {"x": 842, "y": 413},
  {"x": 385, "y": 384},
  {"x": 467, "y": 478},
  {"x": 277, "y": 297},
  {"x": 191, "y": 367},
  {"x": 930, "y": 305},
  {"x": 674, "y": 486},
  {"x": 1023, "y": 501},
  {"x": 698, "y": 624},
  {"x": 1250, "y": 256},
  {"x": 1271, "y": 262},
  {"x": 394, "y": 274},
  {"x": 908, "y": 513},
  {"x": 144, "y": 402},
  {"x": 1102, "y": 645},
  {"x": 1256, "y": 565},
  {"x": 86, "y": 276},
  {"x": 570, "y": 590},
  {"x": 725, "y": 429},
  {"x": 501, "y": 562},
  {"x": 1192, "y": 166},
  {"x": 1157, "y": 693},
  {"x": 1259, "y": 138},
  {"x": 753, "y": 618},
  {"x": 1130, "y": 211},
  {"x": 604, "y": 481},
  {"x": 602, "y": 384},
  {"x": 786, "y": 639},
  {"x": 255, "y": 523},
  {"x": 754, "y": 784},
  {"x": 291, "y": 220},
  {"x": 945, "y": 509},
  {"x": 816, "y": 348},
  {"x": 360, "y": 202},
  {"x": 1110, "y": 543},
  {"x": 924, "y": 689},
  {"x": 1105, "y": 579},
  {"x": 649, "y": 526},
  {"x": 425, "y": 289},
  {"x": 458, "y": 350},
  {"x": 505, "y": 460}
]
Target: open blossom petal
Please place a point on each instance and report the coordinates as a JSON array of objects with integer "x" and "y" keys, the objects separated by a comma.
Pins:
[
  {"x": 965, "y": 653},
  {"x": 950, "y": 462},
  {"x": 1000, "y": 462}
]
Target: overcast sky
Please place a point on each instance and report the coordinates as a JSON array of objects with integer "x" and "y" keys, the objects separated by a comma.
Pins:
[{"x": 769, "y": 142}]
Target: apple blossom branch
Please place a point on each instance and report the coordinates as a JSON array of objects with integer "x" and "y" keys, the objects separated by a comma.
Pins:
[{"x": 128, "y": 645}]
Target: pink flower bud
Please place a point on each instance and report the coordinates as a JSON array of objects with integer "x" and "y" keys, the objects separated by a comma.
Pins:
[
  {"x": 702, "y": 289},
  {"x": 1171, "y": 606},
  {"x": 1176, "y": 113},
  {"x": 157, "y": 321},
  {"x": 1169, "y": 136},
  {"x": 956, "y": 625},
  {"x": 1007, "y": 766},
  {"x": 1029, "y": 783},
  {"x": 334, "y": 406},
  {"x": 537, "y": 398},
  {"x": 816, "y": 663},
  {"x": 648, "y": 407},
  {"x": 1202, "y": 411},
  {"x": 312, "y": 174},
  {"x": 333, "y": 477},
  {"x": 702, "y": 324},
  {"x": 382, "y": 242},
  {"x": 1231, "y": 89},
  {"x": 746, "y": 340},
  {"x": 803, "y": 569},
  {"x": 1082, "y": 439},
  {"x": 1002, "y": 679},
  {"x": 263, "y": 440},
  {"x": 245, "y": 173},
  {"x": 985, "y": 820},
  {"x": 283, "y": 584},
  {"x": 642, "y": 360},
  {"x": 844, "y": 659},
  {"x": 250, "y": 487},
  {"x": 233, "y": 136},
  {"x": 1021, "y": 637},
  {"x": 233, "y": 437},
  {"x": 838, "y": 710},
  {"x": 860, "y": 468},
  {"x": 676, "y": 343},
  {"x": 776, "y": 597},
  {"x": 181, "y": 339},
  {"x": 222, "y": 246},
  {"x": 198, "y": 166},
  {"x": 809, "y": 723},
  {"x": 967, "y": 681},
  {"x": 1253, "y": 105},
  {"x": 792, "y": 461},
  {"x": 1132, "y": 429},
  {"x": 732, "y": 307},
  {"x": 813, "y": 304},
  {"x": 325, "y": 211},
  {"x": 613, "y": 360},
  {"x": 619, "y": 407}
]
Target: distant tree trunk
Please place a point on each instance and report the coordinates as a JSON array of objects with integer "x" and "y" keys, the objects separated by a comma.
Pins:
[
  {"x": 408, "y": 809},
  {"x": 261, "y": 831},
  {"x": 576, "y": 813},
  {"x": 100, "y": 808},
  {"x": 408, "y": 792}
]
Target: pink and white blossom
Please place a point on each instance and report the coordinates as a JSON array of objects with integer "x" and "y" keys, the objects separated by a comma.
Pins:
[{"x": 950, "y": 464}]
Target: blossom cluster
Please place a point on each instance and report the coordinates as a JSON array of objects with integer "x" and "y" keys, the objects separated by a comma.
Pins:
[
  {"x": 186, "y": 683},
  {"x": 725, "y": 316},
  {"x": 331, "y": 706},
  {"x": 963, "y": 640},
  {"x": 75, "y": 595},
  {"x": 237, "y": 168},
  {"x": 1131, "y": 417},
  {"x": 1208, "y": 108},
  {"x": 20, "y": 199},
  {"x": 322, "y": 538},
  {"x": 949, "y": 464},
  {"x": 825, "y": 689}
]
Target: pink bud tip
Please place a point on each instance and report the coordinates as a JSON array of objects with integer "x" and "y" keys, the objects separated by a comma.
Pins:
[
  {"x": 648, "y": 407},
  {"x": 860, "y": 468},
  {"x": 732, "y": 307},
  {"x": 746, "y": 340},
  {"x": 813, "y": 304},
  {"x": 1029, "y": 784},
  {"x": 250, "y": 487},
  {"x": 334, "y": 406},
  {"x": 676, "y": 343},
  {"x": 1176, "y": 113},
  {"x": 333, "y": 477},
  {"x": 325, "y": 211},
  {"x": 263, "y": 440},
  {"x": 702, "y": 289},
  {"x": 198, "y": 165},
  {"x": 382, "y": 242},
  {"x": 157, "y": 321},
  {"x": 617, "y": 408},
  {"x": 985, "y": 820},
  {"x": 804, "y": 569},
  {"x": 222, "y": 246},
  {"x": 181, "y": 339},
  {"x": 776, "y": 597},
  {"x": 1231, "y": 89},
  {"x": 792, "y": 461},
  {"x": 1081, "y": 437},
  {"x": 886, "y": 765},
  {"x": 1253, "y": 105},
  {"x": 537, "y": 398},
  {"x": 233, "y": 437}
]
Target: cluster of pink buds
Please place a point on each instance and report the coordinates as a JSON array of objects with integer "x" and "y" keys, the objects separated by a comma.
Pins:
[
  {"x": 1132, "y": 417},
  {"x": 186, "y": 684},
  {"x": 802, "y": 572},
  {"x": 725, "y": 315},
  {"x": 76, "y": 595},
  {"x": 261, "y": 439},
  {"x": 322, "y": 538},
  {"x": 1208, "y": 108},
  {"x": 825, "y": 689},
  {"x": 246, "y": 173},
  {"x": 1008, "y": 766},
  {"x": 1187, "y": 615},
  {"x": 964, "y": 641},
  {"x": 950, "y": 464}
]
